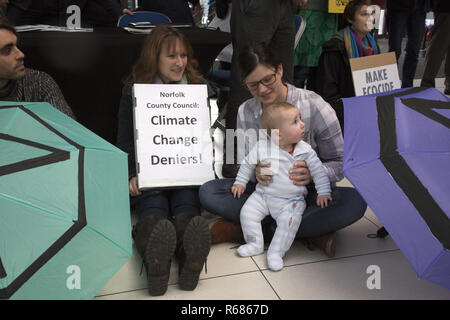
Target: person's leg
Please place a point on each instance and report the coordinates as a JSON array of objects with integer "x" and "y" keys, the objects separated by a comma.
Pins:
[
  {"x": 193, "y": 236},
  {"x": 283, "y": 38},
  {"x": 347, "y": 207},
  {"x": 300, "y": 76},
  {"x": 216, "y": 197},
  {"x": 415, "y": 32},
  {"x": 288, "y": 218},
  {"x": 438, "y": 47},
  {"x": 152, "y": 204},
  {"x": 396, "y": 27},
  {"x": 253, "y": 212},
  {"x": 155, "y": 239}
]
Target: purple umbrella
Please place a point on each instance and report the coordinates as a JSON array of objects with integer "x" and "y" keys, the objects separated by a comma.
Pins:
[{"x": 397, "y": 155}]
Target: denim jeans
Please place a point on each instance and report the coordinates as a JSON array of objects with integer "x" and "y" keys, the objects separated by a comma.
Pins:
[
  {"x": 414, "y": 22},
  {"x": 347, "y": 207},
  {"x": 167, "y": 202}
]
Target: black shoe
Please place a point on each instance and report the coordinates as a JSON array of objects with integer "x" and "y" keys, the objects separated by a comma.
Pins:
[
  {"x": 156, "y": 241},
  {"x": 193, "y": 249},
  {"x": 447, "y": 91},
  {"x": 382, "y": 233}
]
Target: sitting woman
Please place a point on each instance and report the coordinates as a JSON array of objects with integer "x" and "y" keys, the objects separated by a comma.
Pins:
[
  {"x": 334, "y": 76},
  {"x": 262, "y": 73},
  {"x": 166, "y": 57}
]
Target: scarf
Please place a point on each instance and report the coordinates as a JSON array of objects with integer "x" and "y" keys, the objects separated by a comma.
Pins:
[{"x": 357, "y": 48}]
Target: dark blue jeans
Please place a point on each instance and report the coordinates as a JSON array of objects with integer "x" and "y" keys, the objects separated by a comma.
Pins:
[
  {"x": 167, "y": 203},
  {"x": 347, "y": 207},
  {"x": 414, "y": 23}
]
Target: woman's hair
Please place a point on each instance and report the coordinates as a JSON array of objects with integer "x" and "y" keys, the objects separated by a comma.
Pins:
[
  {"x": 257, "y": 53},
  {"x": 352, "y": 7},
  {"x": 146, "y": 67}
]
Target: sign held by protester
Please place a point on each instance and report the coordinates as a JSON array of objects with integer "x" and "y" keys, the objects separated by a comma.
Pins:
[
  {"x": 172, "y": 141},
  {"x": 337, "y": 6},
  {"x": 375, "y": 74}
]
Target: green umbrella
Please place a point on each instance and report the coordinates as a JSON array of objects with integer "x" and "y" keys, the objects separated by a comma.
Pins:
[{"x": 65, "y": 225}]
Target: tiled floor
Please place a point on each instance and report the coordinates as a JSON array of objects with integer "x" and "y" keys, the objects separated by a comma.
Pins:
[{"x": 306, "y": 275}]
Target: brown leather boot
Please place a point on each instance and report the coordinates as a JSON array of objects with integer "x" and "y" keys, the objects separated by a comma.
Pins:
[
  {"x": 324, "y": 242},
  {"x": 225, "y": 231}
]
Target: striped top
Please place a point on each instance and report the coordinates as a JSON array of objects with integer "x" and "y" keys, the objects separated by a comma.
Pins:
[
  {"x": 280, "y": 164},
  {"x": 36, "y": 86},
  {"x": 322, "y": 129}
]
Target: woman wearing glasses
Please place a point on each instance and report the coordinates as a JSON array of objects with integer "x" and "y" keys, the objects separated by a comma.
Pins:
[{"x": 262, "y": 72}]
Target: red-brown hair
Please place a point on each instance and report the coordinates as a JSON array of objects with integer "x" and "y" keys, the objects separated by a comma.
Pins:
[{"x": 146, "y": 67}]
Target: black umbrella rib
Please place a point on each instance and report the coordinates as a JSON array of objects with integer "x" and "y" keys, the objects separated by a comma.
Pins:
[
  {"x": 56, "y": 155},
  {"x": 433, "y": 215},
  {"x": 425, "y": 107}
]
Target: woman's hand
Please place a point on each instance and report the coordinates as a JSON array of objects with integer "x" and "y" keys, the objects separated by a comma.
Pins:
[
  {"x": 134, "y": 190},
  {"x": 237, "y": 190},
  {"x": 263, "y": 175},
  {"x": 300, "y": 174}
]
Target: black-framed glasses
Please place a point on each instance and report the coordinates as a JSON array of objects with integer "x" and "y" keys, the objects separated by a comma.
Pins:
[{"x": 266, "y": 81}]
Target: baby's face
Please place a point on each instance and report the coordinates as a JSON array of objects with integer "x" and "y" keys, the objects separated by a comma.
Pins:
[{"x": 292, "y": 128}]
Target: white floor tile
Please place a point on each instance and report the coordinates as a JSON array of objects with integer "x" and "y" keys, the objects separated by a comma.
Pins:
[
  {"x": 221, "y": 261},
  {"x": 351, "y": 241},
  {"x": 251, "y": 286},
  {"x": 347, "y": 278}
]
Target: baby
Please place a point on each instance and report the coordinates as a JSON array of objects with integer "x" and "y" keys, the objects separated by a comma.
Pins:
[{"x": 283, "y": 200}]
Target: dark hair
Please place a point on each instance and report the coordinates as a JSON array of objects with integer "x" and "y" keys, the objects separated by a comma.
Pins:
[
  {"x": 351, "y": 9},
  {"x": 5, "y": 24},
  {"x": 257, "y": 53}
]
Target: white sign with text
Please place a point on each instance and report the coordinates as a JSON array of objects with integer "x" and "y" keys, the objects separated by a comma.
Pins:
[
  {"x": 172, "y": 141},
  {"x": 375, "y": 74}
]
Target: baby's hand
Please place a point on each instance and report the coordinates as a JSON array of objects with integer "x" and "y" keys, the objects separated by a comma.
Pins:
[
  {"x": 237, "y": 190},
  {"x": 322, "y": 200}
]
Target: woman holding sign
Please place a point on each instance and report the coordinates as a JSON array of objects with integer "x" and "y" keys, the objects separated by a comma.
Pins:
[
  {"x": 166, "y": 58},
  {"x": 334, "y": 76},
  {"x": 262, "y": 72}
]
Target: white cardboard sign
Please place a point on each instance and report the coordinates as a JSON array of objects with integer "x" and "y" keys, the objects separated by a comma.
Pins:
[
  {"x": 172, "y": 138},
  {"x": 375, "y": 74}
]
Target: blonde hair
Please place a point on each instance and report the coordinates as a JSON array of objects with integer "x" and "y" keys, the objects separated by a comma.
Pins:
[
  {"x": 146, "y": 67},
  {"x": 270, "y": 118}
]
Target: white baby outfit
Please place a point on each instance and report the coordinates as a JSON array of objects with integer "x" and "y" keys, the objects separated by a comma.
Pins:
[{"x": 283, "y": 200}]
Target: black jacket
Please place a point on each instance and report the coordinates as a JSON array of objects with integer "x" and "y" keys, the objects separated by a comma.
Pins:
[{"x": 334, "y": 77}]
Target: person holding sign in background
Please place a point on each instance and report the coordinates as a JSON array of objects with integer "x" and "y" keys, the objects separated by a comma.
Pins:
[
  {"x": 166, "y": 58},
  {"x": 334, "y": 76},
  {"x": 262, "y": 73}
]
